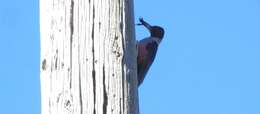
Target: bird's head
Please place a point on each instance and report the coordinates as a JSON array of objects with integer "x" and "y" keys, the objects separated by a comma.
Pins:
[{"x": 155, "y": 31}]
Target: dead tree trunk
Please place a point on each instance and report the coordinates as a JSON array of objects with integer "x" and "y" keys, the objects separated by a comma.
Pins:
[{"x": 88, "y": 57}]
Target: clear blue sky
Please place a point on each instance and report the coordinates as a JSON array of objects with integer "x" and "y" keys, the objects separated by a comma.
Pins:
[{"x": 208, "y": 62}]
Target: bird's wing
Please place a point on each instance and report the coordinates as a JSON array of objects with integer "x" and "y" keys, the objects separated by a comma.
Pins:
[
  {"x": 145, "y": 59},
  {"x": 151, "y": 51}
]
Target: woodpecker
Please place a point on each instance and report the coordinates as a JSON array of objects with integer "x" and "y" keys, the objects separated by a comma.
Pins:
[{"x": 147, "y": 49}]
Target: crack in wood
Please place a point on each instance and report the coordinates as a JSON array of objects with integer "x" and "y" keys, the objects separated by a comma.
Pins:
[
  {"x": 104, "y": 92},
  {"x": 99, "y": 25},
  {"x": 120, "y": 104},
  {"x": 93, "y": 60},
  {"x": 94, "y": 89},
  {"x": 71, "y": 37},
  {"x": 56, "y": 60},
  {"x": 79, "y": 67},
  {"x": 123, "y": 55},
  {"x": 80, "y": 91},
  {"x": 50, "y": 107},
  {"x": 44, "y": 64}
]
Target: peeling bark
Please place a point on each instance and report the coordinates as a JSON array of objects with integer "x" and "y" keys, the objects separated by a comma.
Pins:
[{"x": 88, "y": 57}]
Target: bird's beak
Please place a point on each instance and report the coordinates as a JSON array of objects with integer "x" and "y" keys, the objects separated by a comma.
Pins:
[
  {"x": 148, "y": 26},
  {"x": 144, "y": 23}
]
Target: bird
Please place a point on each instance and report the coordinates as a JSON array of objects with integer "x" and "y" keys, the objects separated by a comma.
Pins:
[{"x": 147, "y": 49}]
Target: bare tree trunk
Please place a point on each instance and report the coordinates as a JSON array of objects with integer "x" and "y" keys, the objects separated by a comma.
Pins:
[{"x": 88, "y": 57}]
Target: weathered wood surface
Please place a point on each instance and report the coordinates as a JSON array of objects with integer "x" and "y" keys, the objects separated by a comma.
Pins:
[{"x": 88, "y": 57}]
